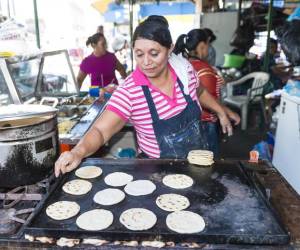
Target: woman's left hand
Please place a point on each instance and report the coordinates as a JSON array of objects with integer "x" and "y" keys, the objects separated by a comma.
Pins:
[{"x": 225, "y": 124}]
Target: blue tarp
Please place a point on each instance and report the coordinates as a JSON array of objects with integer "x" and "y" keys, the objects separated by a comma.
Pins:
[
  {"x": 166, "y": 9},
  {"x": 115, "y": 14},
  {"x": 295, "y": 14},
  {"x": 276, "y": 3}
]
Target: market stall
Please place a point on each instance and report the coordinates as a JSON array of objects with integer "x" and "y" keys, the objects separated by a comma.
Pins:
[
  {"x": 48, "y": 79},
  {"x": 227, "y": 204}
]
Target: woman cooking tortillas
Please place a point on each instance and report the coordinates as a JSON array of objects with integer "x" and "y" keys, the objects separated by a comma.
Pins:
[{"x": 161, "y": 98}]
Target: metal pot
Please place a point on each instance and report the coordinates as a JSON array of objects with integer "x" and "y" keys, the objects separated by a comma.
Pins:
[{"x": 28, "y": 144}]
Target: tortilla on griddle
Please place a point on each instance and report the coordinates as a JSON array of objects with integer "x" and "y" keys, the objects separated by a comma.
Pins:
[
  {"x": 172, "y": 202},
  {"x": 178, "y": 181},
  {"x": 118, "y": 179},
  {"x": 201, "y": 157},
  {"x": 94, "y": 220},
  {"x": 185, "y": 222},
  {"x": 109, "y": 196},
  {"x": 88, "y": 172},
  {"x": 138, "y": 219},
  {"x": 62, "y": 210},
  {"x": 201, "y": 153},
  {"x": 140, "y": 187},
  {"x": 77, "y": 187}
]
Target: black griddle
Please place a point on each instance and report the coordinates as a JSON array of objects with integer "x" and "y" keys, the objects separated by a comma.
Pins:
[{"x": 224, "y": 195}]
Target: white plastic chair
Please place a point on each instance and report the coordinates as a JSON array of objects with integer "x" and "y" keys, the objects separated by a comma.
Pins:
[{"x": 254, "y": 94}]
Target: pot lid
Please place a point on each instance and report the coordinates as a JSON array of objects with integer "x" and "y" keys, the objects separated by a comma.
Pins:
[{"x": 19, "y": 111}]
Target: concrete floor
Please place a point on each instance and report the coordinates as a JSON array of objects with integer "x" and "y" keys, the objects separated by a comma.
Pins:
[{"x": 122, "y": 140}]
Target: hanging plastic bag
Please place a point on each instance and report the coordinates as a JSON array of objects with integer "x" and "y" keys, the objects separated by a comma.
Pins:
[
  {"x": 15, "y": 39},
  {"x": 292, "y": 88}
]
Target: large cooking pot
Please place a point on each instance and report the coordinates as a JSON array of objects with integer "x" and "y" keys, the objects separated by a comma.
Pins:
[{"x": 28, "y": 143}]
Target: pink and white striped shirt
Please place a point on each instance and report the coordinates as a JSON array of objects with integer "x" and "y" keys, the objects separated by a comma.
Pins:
[{"x": 128, "y": 101}]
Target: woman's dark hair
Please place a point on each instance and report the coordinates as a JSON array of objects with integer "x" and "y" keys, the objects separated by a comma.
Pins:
[
  {"x": 161, "y": 19},
  {"x": 210, "y": 34},
  {"x": 94, "y": 39},
  {"x": 155, "y": 28},
  {"x": 100, "y": 29},
  {"x": 273, "y": 41},
  {"x": 289, "y": 38},
  {"x": 188, "y": 42}
]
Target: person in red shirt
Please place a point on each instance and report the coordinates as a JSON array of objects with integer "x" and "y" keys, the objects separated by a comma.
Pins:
[{"x": 194, "y": 46}]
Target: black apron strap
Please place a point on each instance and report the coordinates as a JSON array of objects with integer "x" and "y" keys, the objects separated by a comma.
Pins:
[
  {"x": 187, "y": 97},
  {"x": 151, "y": 105}
]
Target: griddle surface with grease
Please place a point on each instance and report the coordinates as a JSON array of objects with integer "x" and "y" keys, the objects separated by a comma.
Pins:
[{"x": 233, "y": 210}]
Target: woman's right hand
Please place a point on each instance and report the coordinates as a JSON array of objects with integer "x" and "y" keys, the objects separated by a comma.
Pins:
[{"x": 67, "y": 162}]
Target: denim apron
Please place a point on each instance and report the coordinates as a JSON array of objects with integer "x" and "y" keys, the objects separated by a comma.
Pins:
[{"x": 179, "y": 134}]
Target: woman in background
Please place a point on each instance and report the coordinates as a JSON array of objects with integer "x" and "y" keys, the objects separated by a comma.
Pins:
[
  {"x": 100, "y": 65},
  {"x": 194, "y": 46}
]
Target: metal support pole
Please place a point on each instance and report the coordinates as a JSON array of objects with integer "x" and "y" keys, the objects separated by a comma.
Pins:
[
  {"x": 131, "y": 29},
  {"x": 8, "y": 9},
  {"x": 239, "y": 13},
  {"x": 224, "y": 3},
  {"x": 198, "y": 12},
  {"x": 36, "y": 22},
  {"x": 13, "y": 8},
  {"x": 269, "y": 28}
]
